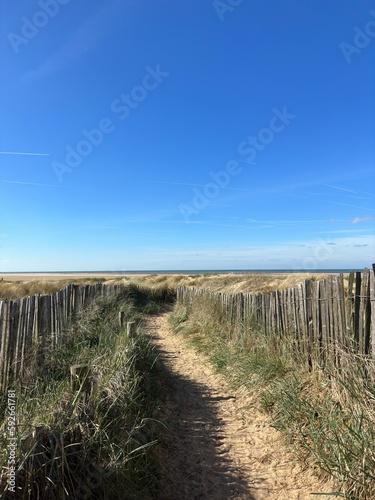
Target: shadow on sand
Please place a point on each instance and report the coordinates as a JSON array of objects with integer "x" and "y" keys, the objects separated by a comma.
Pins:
[{"x": 194, "y": 461}]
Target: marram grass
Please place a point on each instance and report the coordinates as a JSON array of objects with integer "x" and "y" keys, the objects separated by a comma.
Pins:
[{"x": 97, "y": 441}]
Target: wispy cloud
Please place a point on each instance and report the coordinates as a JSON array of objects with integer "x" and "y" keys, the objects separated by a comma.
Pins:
[
  {"x": 198, "y": 185},
  {"x": 362, "y": 219},
  {"x": 340, "y": 188},
  {"x": 342, "y": 231},
  {"x": 30, "y": 183},
  {"x": 351, "y": 206},
  {"x": 347, "y": 251},
  {"x": 357, "y": 191},
  {"x": 311, "y": 221},
  {"x": 248, "y": 162},
  {"x": 339, "y": 194},
  {"x": 78, "y": 43},
  {"x": 22, "y": 153}
]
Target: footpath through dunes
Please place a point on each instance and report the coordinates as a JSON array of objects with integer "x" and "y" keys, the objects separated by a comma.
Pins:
[{"x": 217, "y": 445}]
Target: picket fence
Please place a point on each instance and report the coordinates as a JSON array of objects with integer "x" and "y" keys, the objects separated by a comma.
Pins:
[
  {"x": 320, "y": 317},
  {"x": 28, "y": 324}
]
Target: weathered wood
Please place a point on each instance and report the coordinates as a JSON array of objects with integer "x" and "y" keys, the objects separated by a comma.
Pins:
[
  {"x": 5, "y": 331},
  {"x": 302, "y": 319},
  {"x": 372, "y": 312},
  {"x": 131, "y": 329},
  {"x": 322, "y": 329},
  {"x": 323, "y": 317},
  {"x": 296, "y": 317},
  {"x": 357, "y": 304},
  {"x": 330, "y": 319},
  {"x": 121, "y": 318},
  {"x": 20, "y": 338},
  {"x": 316, "y": 325},
  {"x": 365, "y": 311},
  {"x": 30, "y": 325},
  {"x": 308, "y": 289}
]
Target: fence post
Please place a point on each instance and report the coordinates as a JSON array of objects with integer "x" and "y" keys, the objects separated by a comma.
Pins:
[
  {"x": 121, "y": 317},
  {"x": 130, "y": 329}
]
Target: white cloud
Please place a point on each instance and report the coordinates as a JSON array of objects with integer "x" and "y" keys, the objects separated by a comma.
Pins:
[{"x": 362, "y": 219}]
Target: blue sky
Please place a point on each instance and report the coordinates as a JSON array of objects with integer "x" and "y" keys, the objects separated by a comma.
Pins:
[{"x": 187, "y": 135}]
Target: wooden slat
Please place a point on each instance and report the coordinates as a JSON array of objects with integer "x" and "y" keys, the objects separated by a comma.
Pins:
[
  {"x": 309, "y": 298},
  {"x": 365, "y": 312},
  {"x": 301, "y": 319},
  {"x": 359, "y": 313},
  {"x": 5, "y": 331},
  {"x": 317, "y": 324},
  {"x": 20, "y": 334},
  {"x": 357, "y": 304},
  {"x": 372, "y": 313}
]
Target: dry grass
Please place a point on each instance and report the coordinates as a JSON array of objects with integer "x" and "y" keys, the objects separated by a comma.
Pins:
[
  {"x": 10, "y": 290},
  {"x": 229, "y": 283}
]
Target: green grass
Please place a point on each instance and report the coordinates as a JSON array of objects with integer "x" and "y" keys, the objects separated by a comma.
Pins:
[
  {"x": 98, "y": 441},
  {"x": 327, "y": 419}
]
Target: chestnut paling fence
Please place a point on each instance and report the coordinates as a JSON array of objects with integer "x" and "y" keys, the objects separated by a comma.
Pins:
[
  {"x": 322, "y": 319},
  {"x": 29, "y": 324}
]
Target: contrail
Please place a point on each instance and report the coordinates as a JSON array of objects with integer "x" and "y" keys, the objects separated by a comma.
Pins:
[
  {"x": 337, "y": 187},
  {"x": 343, "y": 189},
  {"x": 31, "y": 183},
  {"x": 312, "y": 221},
  {"x": 199, "y": 185},
  {"x": 248, "y": 162},
  {"x": 20, "y": 153},
  {"x": 346, "y": 205}
]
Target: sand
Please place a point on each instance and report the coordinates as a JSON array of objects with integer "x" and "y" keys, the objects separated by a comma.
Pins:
[{"x": 217, "y": 443}]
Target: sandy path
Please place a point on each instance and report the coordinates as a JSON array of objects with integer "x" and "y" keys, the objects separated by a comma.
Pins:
[{"x": 217, "y": 444}]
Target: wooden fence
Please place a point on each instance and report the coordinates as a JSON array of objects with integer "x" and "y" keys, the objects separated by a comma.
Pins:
[
  {"x": 318, "y": 316},
  {"x": 28, "y": 324}
]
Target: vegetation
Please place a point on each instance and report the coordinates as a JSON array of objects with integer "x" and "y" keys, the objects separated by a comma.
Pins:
[
  {"x": 99, "y": 440},
  {"x": 328, "y": 418},
  {"x": 94, "y": 440},
  {"x": 11, "y": 290},
  {"x": 230, "y": 283}
]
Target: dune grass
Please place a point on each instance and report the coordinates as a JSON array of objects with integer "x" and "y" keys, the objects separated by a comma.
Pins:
[
  {"x": 327, "y": 419},
  {"x": 96, "y": 441},
  {"x": 230, "y": 283},
  {"x": 11, "y": 290}
]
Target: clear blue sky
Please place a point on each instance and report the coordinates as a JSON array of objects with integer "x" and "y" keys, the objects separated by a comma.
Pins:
[{"x": 182, "y": 134}]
